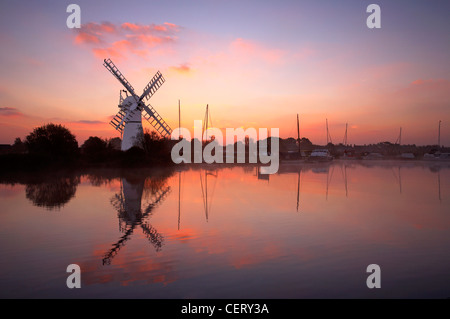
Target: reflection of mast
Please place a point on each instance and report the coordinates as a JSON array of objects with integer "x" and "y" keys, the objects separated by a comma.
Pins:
[
  {"x": 344, "y": 173},
  {"x": 207, "y": 206},
  {"x": 398, "y": 178},
  {"x": 329, "y": 179},
  {"x": 179, "y": 199},
  {"x": 128, "y": 205}
]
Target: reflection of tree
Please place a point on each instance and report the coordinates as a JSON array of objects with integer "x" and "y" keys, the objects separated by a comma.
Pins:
[
  {"x": 131, "y": 214},
  {"x": 53, "y": 193},
  {"x": 97, "y": 180}
]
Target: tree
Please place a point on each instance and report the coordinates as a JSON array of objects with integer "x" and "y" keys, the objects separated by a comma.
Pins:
[
  {"x": 305, "y": 144},
  {"x": 18, "y": 146},
  {"x": 115, "y": 143},
  {"x": 94, "y": 148},
  {"x": 156, "y": 148},
  {"x": 52, "y": 140}
]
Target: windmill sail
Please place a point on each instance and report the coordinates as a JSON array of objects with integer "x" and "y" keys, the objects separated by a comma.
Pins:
[
  {"x": 156, "y": 121},
  {"x": 118, "y": 122},
  {"x": 108, "y": 64},
  {"x": 152, "y": 86},
  {"x": 121, "y": 118}
]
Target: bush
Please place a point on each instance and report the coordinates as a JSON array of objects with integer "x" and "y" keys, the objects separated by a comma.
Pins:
[
  {"x": 53, "y": 141},
  {"x": 157, "y": 148},
  {"x": 94, "y": 148}
]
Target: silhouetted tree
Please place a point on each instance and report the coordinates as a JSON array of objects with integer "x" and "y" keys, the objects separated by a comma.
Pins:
[
  {"x": 94, "y": 148},
  {"x": 52, "y": 140},
  {"x": 305, "y": 144},
  {"x": 156, "y": 147},
  {"x": 18, "y": 147},
  {"x": 115, "y": 143},
  {"x": 93, "y": 144}
]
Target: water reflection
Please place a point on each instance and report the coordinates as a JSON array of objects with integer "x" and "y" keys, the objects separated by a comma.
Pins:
[
  {"x": 53, "y": 193},
  {"x": 131, "y": 212},
  {"x": 204, "y": 187},
  {"x": 231, "y": 232}
]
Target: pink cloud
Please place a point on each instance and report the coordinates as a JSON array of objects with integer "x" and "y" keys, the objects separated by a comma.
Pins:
[
  {"x": 149, "y": 28},
  {"x": 108, "y": 52},
  {"x": 183, "y": 68},
  {"x": 10, "y": 112},
  {"x": 131, "y": 26},
  {"x": 118, "y": 41},
  {"x": 172, "y": 26},
  {"x": 86, "y": 38},
  {"x": 431, "y": 83},
  {"x": 94, "y": 33}
]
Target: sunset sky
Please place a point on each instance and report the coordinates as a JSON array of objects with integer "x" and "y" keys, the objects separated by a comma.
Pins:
[{"x": 256, "y": 63}]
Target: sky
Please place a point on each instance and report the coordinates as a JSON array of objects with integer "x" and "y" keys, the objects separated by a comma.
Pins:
[{"x": 255, "y": 63}]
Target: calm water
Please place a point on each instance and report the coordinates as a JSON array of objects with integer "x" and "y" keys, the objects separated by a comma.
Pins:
[{"x": 309, "y": 231}]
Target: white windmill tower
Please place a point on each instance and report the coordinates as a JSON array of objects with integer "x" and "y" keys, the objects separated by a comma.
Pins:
[{"x": 128, "y": 121}]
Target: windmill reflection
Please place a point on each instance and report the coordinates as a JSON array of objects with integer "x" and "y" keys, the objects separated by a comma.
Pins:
[{"x": 132, "y": 213}]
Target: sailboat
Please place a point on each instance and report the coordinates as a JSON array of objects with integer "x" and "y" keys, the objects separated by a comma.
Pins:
[
  {"x": 320, "y": 155},
  {"x": 323, "y": 154}
]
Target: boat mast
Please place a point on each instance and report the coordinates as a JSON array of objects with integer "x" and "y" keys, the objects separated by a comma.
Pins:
[
  {"x": 205, "y": 124},
  {"x": 439, "y": 134},
  {"x": 328, "y": 134},
  {"x": 345, "y": 135},
  {"x": 179, "y": 121},
  {"x": 399, "y": 139},
  {"x": 298, "y": 134}
]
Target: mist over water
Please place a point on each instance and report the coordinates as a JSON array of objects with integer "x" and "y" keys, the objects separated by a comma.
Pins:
[{"x": 217, "y": 231}]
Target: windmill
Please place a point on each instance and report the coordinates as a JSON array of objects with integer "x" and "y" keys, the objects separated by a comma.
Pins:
[{"x": 128, "y": 121}]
